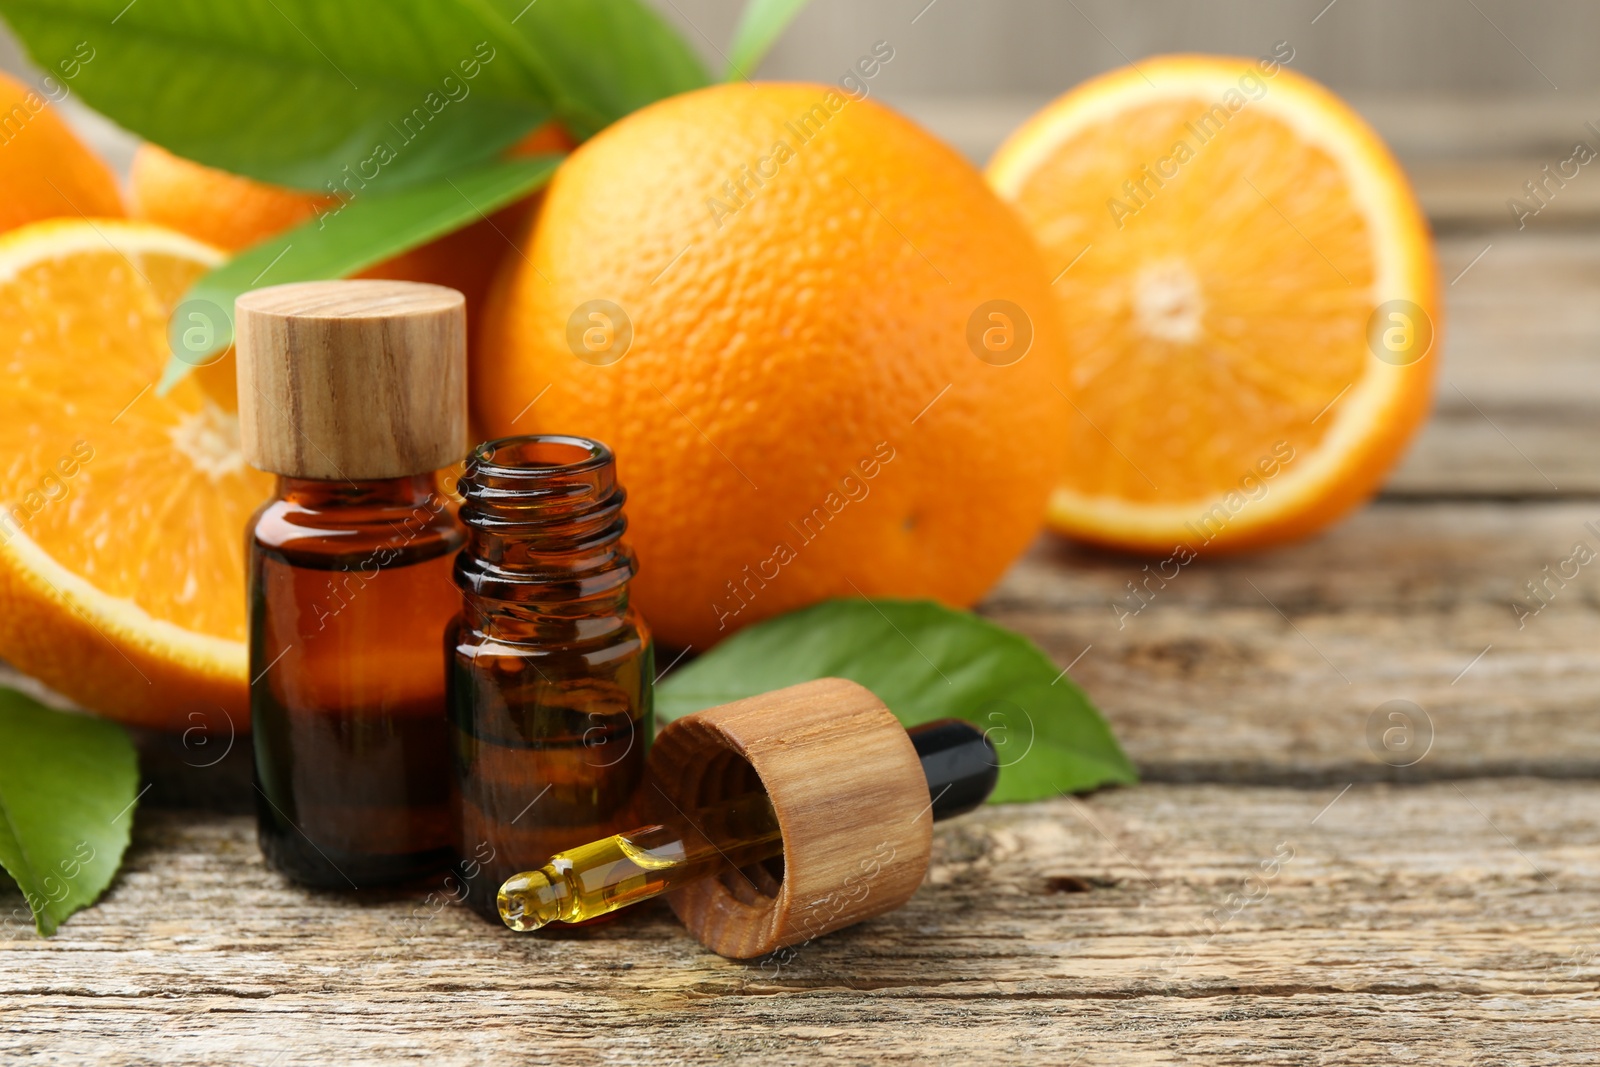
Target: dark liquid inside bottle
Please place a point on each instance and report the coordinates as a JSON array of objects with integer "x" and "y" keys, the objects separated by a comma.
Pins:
[
  {"x": 550, "y": 668},
  {"x": 350, "y": 595}
]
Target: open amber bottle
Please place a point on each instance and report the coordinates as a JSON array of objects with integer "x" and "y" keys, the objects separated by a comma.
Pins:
[
  {"x": 353, "y": 393},
  {"x": 550, "y": 668}
]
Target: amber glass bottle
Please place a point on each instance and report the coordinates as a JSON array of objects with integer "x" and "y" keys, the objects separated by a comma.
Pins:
[
  {"x": 350, "y": 594},
  {"x": 550, "y": 669},
  {"x": 352, "y": 392}
]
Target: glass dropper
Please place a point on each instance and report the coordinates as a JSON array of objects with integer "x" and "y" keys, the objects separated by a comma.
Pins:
[{"x": 591, "y": 880}]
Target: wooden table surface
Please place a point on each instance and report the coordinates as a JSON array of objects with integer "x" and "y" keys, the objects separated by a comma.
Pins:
[{"x": 1274, "y": 893}]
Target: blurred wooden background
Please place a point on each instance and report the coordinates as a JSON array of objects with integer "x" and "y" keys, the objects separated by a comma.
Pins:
[
  {"x": 1443, "y": 80},
  {"x": 1040, "y": 47},
  {"x": 1494, "y": 64}
]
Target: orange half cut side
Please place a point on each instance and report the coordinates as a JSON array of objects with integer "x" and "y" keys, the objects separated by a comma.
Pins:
[
  {"x": 122, "y": 513},
  {"x": 1250, "y": 299}
]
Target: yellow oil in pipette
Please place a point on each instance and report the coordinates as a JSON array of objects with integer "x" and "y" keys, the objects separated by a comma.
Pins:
[{"x": 591, "y": 880}]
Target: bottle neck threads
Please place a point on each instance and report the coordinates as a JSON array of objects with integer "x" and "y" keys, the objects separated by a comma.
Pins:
[{"x": 544, "y": 526}]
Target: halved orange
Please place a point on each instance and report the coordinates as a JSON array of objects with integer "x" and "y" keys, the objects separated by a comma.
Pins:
[
  {"x": 122, "y": 513},
  {"x": 1249, "y": 295}
]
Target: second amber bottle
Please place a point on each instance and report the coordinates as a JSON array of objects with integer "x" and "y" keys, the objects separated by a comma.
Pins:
[{"x": 550, "y": 668}]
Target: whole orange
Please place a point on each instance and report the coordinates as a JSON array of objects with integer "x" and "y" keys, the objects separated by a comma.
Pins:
[
  {"x": 233, "y": 212},
  {"x": 820, "y": 346},
  {"x": 226, "y": 210},
  {"x": 45, "y": 171}
]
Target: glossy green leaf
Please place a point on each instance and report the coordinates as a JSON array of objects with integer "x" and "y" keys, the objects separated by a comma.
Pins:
[
  {"x": 365, "y": 230},
  {"x": 68, "y": 784},
  {"x": 295, "y": 91},
  {"x": 925, "y": 661},
  {"x": 597, "y": 59},
  {"x": 759, "y": 28}
]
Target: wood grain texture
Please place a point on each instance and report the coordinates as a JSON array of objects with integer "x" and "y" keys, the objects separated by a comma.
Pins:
[
  {"x": 345, "y": 380},
  {"x": 1165, "y": 924},
  {"x": 850, "y": 797},
  {"x": 1481, "y": 193},
  {"x": 1267, "y": 667},
  {"x": 1514, "y": 408}
]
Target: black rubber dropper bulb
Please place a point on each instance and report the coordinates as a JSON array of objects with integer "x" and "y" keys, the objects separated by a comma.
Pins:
[{"x": 959, "y": 762}]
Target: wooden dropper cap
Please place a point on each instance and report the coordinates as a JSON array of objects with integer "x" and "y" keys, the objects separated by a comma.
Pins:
[
  {"x": 851, "y": 799},
  {"x": 352, "y": 380}
]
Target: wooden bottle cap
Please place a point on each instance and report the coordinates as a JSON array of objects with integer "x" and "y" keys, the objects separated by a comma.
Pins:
[
  {"x": 356, "y": 380},
  {"x": 851, "y": 800}
]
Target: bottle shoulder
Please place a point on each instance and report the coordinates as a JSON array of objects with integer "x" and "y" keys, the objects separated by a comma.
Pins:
[
  {"x": 338, "y": 536},
  {"x": 525, "y": 631}
]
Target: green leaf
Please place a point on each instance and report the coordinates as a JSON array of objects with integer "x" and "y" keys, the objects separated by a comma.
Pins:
[
  {"x": 294, "y": 91},
  {"x": 925, "y": 661},
  {"x": 365, "y": 230},
  {"x": 759, "y": 27},
  {"x": 67, "y": 789},
  {"x": 597, "y": 59}
]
